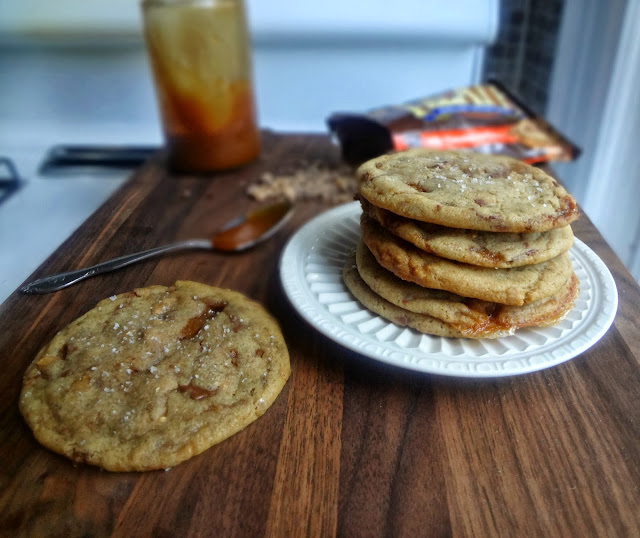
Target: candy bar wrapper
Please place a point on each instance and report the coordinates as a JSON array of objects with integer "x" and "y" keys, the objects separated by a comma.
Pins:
[{"x": 483, "y": 118}]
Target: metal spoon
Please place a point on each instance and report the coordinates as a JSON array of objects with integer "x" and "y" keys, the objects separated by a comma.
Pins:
[{"x": 239, "y": 234}]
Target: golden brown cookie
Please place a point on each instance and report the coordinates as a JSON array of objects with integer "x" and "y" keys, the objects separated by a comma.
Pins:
[
  {"x": 486, "y": 249},
  {"x": 150, "y": 378},
  {"x": 467, "y": 190},
  {"x": 421, "y": 322},
  {"x": 472, "y": 317},
  {"x": 515, "y": 286}
]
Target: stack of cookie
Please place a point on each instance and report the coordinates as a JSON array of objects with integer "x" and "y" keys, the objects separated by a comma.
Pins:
[{"x": 463, "y": 244}]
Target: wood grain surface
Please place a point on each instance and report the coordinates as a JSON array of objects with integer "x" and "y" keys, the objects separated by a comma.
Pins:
[{"x": 351, "y": 447}]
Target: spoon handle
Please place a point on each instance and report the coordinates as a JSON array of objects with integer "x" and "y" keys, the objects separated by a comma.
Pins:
[{"x": 62, "y": 280}]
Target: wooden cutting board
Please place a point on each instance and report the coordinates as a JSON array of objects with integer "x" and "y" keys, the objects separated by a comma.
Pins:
[{"x": 351, "y": 447}]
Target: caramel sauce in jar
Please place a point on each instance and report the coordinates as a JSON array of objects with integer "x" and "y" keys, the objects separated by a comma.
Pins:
[{"x": 200, "y": 59}]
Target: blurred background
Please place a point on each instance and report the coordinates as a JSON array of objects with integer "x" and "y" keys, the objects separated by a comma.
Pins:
[{"x": 76, "y": 72}]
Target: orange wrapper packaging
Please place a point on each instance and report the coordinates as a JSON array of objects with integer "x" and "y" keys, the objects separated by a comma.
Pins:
[{"x": 484, "y": 118}]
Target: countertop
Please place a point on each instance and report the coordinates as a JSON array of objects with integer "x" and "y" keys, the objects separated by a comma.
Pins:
[
  {"x": 352, "y": 446},
  {"x": 44, "y": 211}
]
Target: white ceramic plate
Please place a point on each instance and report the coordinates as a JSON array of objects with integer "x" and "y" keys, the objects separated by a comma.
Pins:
[{"x": 311, "y": 274}]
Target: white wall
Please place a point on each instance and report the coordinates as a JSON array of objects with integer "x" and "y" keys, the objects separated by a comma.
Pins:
[
  {"x": 595, "y": 100},
  {"x": 310, "y": 59}
]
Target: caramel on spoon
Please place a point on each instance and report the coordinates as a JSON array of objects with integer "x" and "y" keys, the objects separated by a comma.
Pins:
[{"x": 237, "y": 235}]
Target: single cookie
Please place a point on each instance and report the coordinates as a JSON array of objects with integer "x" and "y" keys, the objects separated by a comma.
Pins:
[
  {"x": 486, "y": 249},
  {"x": 467, "y": 190},
  {"x": 472, "y": 317},
  {"x": 150, "y": 378},
  {"x": 421, "y": 322},
  {"x": 515, "y": 286}
]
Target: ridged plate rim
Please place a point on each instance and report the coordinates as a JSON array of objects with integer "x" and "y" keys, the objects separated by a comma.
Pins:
[{"x": 311, "y": 275}]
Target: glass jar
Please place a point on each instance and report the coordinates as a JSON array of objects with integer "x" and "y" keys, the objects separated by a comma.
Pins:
[{"x": 200, "y": 56}]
